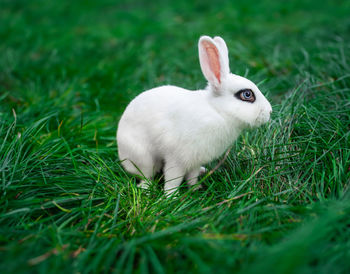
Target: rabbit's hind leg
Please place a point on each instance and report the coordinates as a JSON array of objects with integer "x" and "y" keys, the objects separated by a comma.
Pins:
[
  {"x": 146, "y": 169},
  {"x": 141, "y": 165}
]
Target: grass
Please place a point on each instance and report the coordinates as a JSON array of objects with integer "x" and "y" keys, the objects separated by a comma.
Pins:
[{"x": 279, "y": 204}]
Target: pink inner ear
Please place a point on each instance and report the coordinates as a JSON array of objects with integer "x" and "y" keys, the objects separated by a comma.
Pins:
[{"x": 213, "y": 58}]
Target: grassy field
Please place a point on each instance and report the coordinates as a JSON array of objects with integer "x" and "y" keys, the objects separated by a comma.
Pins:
[{"x": 279, "y": 204}]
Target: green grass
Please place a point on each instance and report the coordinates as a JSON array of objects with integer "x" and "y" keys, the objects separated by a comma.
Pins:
[{"x": 279, "y": 204}]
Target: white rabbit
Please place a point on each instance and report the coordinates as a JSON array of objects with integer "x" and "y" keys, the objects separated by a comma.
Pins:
[{"x": 179, "y": 130}]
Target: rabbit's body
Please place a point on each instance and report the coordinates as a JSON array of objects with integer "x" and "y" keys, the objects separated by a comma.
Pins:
[
  {"x": 180, "y": 130},
  {"x": 166, "y": 126}
]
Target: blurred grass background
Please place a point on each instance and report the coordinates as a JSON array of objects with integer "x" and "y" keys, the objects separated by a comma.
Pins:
[{"x": 279, "y": 204}]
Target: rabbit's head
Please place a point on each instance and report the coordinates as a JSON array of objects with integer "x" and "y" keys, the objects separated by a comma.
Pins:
[{"x": 234, "y": 97}]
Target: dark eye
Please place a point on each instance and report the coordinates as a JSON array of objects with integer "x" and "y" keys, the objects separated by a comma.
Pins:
[{"x": 246, "y": 95}]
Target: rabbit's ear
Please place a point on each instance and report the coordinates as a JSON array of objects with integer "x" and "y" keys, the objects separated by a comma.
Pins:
[
  {"x": 213, "y": 60},
  {"x": 223, "y": 53}
]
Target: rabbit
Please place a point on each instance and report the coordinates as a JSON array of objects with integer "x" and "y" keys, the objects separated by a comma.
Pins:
[{"x": 180, "y": 130}]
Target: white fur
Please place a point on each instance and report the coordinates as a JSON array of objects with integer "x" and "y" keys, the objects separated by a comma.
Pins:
[{"x": 180, "y": 130}]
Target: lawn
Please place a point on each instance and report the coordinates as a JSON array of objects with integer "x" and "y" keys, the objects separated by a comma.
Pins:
[{"x": 280, "y": 203}]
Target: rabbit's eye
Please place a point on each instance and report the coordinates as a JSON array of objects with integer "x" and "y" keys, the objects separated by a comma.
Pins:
[{"x": 246, "y": 95}]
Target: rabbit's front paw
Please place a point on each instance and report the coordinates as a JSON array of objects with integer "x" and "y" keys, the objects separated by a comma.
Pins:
[{"x": 202, "y": 170}]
